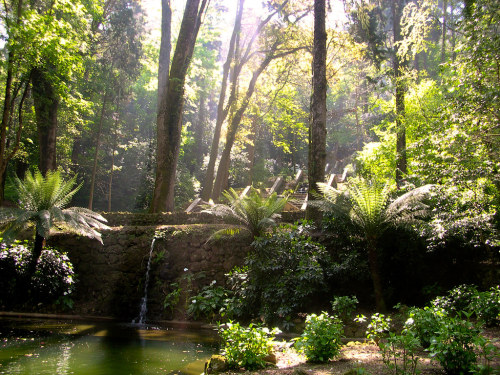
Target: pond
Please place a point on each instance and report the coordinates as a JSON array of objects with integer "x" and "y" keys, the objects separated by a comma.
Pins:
[{"x": 54, "y": 347}]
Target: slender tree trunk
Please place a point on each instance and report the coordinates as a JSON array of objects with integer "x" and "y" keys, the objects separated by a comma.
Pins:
[
  {"x": 443, "y": 32},
  {"x": 251, "y": 149},
  {"x": 96, "y": 153},
  {"x": 401, "y": 163},
  {"x": 375, "y": 275},
  {"x": 165, "y": 47},
  {"x": 46, "y": 103},
  {"x": 6, "y": 114},
  {"x": 221, "y": 181},
  {"x": 453, "y": 35},
  {"x": 169, "y": 130},
  {"x": 37, "y": 251},
  {"x": 199, "y": 131},
  {"x": 115, "y": 141},
  {"x": 317, "y": 127},
  {"x": 221, "y": 114}
]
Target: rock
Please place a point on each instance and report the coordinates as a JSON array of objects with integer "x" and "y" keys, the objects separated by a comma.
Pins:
[
  {"x": 271, "y": 358},
  {"x": 216, "y": 364}
]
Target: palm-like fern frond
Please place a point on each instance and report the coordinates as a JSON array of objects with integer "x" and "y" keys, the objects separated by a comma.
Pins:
[
  {"x": 369, "y": 201},
  {"x": 42, "y": 201},
  {"x": 39, "y": 193},
  {"x": 253, "y": 212}
]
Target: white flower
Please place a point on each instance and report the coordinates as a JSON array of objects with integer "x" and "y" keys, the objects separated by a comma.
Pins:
[
  {"x": 213, "y": 282},
  {"x": 409, "y": 322},
  {"x": 193, "y": 301},
  {"x": 185, "y": 270}
]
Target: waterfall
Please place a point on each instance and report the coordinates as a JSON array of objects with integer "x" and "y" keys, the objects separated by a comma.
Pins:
[{"x": 144, "y": 300}]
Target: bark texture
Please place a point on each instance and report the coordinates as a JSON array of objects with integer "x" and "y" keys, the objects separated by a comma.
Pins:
[
  {"x": 317, "y": 126},
  {"x": 208, "y": 181},
  {"x": 169, "y": 119},
  {"x": 398, "y": 65},
  {"x": 46, "y": 102}
]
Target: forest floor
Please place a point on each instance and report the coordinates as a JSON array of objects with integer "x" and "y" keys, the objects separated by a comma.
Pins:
[{"x": 356, "y": 355}]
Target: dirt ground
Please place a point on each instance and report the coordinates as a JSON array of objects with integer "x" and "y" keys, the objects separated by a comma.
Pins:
[{"x": 355, "y": 355}]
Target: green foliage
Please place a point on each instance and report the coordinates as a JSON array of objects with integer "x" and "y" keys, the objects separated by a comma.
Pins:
[
  {"x": 466, "y": 298},
  {"x": 399, "y": 352},
  {"x": 426, "y": 323},
  {"x": 321, "y": 339},
  {"x": 378, "y": 327},
  {"x": 246, "y": 347},
  {"x": 467, "y": 215},
  {"x": 367, "y": 203},
  {"x": 42, "y": 201},
  {"x": 255, "y": 213},
  {"x": 454, "y": 344},
  {"x": 53, "y": 280},
  {"x": 344, "y": 306},
  {"x": 486, "y": 306},
  {"x": 208, "y": 303},
  {"x": 172, "y": 298},
  {"x": 285, "y": 272}
]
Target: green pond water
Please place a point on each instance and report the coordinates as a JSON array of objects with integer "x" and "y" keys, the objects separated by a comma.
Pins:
[{"x": 51, "y": 347}]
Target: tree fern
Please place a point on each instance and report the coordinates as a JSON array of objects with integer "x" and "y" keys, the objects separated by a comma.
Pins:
[
  {"x": 41, "y": 203},
  {"x": 367, "y": 205},
  {"x": 253, "y": 213}
]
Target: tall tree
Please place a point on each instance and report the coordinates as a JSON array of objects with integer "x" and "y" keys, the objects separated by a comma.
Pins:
[
  {"x": 317, "y": 127},
  {"x": 398, "y": 81},
  {"x": 165, "y": 47},
  {"x": 169, "y": 125},
  {"x": 221, "y": 111}
]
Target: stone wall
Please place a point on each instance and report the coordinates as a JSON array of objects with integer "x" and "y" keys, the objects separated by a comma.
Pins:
[
  {"x": 178, "y": 218},
  {"x": 111, "y": 276}
]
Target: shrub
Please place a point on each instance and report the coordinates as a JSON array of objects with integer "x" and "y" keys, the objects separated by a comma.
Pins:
[
  {"x": 208, "y": 303},
  {"x": 378, "y": 327},
  {"x": 426, "y": 323},
  {"x": 246, "y": 347},
  {"x": 53, "y": 279},
  {"x": 486, "y": 306},
  {"x": 321, "y": 338},
  {"x": 399, "y": 352},
  {"x": 454, "y": 345},
  {"x": 285, "y": 272},
  {"x": 457, "y": 299},
  {"x": 466, "y": 298},
  {"x": 344, "y": 306}
]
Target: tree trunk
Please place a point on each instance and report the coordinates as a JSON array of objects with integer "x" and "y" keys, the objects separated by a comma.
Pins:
[
  {"x": 401, "y": 163},
  {"x": 169, "y": 120},
  {"x": 221, "y": 181},
  {"x": 115, "y": 141},
  {"x": 251, "y": 148},
  {"x": 46, "y": 103},
  {"x": 375, "y": 275},
  {"x": 221, "y": 114},
  {"x": 96, "y": 153},
  {"x": 317, "y": 127},
  {"x": 37, "y": 251},
  {"x": 199, "y": 131},
  {"x": 165, "y": 47},
  {"x": 443, "y": 32}
]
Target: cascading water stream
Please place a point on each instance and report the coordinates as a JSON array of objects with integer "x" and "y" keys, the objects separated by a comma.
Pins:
[{"x": 144, "y": 300}]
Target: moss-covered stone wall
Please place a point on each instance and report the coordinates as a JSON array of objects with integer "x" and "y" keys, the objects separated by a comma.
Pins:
[{"x": 111, "y": 276}]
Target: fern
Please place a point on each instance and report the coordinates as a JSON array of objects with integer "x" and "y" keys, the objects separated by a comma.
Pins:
[
  {"x": 41, "y": 203},
  {"x": 253, "y": 213}
]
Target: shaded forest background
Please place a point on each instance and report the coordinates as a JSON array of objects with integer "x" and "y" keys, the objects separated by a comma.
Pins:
[{"x": 413, "y": 98}]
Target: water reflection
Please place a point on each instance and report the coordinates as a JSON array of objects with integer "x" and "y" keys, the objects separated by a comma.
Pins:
[{"x": 63, "y": 349}]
